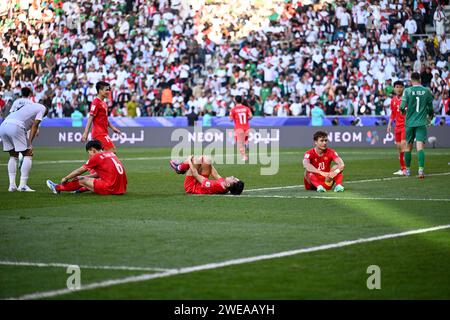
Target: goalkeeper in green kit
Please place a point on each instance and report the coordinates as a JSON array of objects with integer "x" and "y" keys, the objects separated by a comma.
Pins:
[{"x": 417, "y": 104}]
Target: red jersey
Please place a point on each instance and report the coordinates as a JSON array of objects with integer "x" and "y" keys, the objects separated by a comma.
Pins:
[
  {"x": 323, "y": 162},
  {"x": 396, "y": 113},
  {"x": 212, "y": 187},
  {"x": 110, "y": 170},
  {"x": 99, "y": 111},
  {"x": 240, "y": 115}
]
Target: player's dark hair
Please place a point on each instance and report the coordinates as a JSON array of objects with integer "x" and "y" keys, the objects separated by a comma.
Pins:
[
  {"x": 26, "y": 92},
  {"x": 97, "y": 145},
  {"x": 237, "y": 188},
  {"x": 399, "y": 83},
  {"x": 101, "y": 85},
  {"x": 238, "y": 99},
  {"x": 320, "y": 134},
  {"x": 415, "y": 76}
]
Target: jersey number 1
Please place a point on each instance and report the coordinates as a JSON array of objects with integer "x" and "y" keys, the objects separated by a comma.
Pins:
[{"x": 417, "y": 104}]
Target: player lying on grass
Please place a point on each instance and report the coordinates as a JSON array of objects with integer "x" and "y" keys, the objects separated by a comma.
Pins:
[
  {"x": 198, "y": 170},
  {"x": 109, "y": 176},
  {"x": 319, "y": 175}
]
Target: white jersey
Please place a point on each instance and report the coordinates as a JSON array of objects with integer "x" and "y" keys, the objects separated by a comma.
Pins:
[
  {"x": 25, "y": 115},
  {"x": 19, "y": 103}
]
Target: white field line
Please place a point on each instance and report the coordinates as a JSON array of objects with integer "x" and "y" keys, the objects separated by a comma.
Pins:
[
  {"x": 65, "y": 265},
  {"x": 38, "y": 162},
  {"x": 347, "y": 182},
  {"x": 344, "y": 198},
  {"x": 211, "y": 266}
]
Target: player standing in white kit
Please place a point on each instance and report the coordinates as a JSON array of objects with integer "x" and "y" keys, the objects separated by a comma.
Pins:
[{"x": 25, "y": 115}]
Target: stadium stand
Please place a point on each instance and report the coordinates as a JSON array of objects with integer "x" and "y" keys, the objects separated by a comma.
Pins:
[{"x": 172, "y": 58}]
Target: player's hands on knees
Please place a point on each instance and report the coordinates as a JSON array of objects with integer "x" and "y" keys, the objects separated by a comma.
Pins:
[
  {"x": 332, "y": 174},
  {"x": 324, "y": 174}
]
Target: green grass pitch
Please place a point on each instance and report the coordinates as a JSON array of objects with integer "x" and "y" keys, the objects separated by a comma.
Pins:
[{"x": 156, "y": 229}]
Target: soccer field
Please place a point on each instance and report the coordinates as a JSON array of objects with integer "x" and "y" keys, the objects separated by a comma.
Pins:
[{"x": 275, "y": 241}]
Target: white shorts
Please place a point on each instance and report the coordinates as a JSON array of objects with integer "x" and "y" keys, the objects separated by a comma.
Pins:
[{"x": 14, "y": 137}]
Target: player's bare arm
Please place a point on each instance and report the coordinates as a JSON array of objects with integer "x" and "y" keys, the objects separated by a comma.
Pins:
[
  {"x": 33, "y": 132},
  {"x": 113, "y": 128},
  {"x": 88, "y": 128},
  {"x": 214, "y": 173},
  {"x": 388, "y": 130},
  {"x": 339, "y": 167},
  {"x": 194, "y": 171},
  {"x": 75, "y": 173},
  {"x": 310, "y": 168}
]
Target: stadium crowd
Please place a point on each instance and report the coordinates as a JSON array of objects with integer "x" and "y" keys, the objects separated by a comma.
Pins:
[{"x": 172, "y": 58}]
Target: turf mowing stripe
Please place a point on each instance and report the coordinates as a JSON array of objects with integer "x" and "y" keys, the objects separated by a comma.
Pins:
[
  {"x": 210, "y": 266},
  {"x": 354, "y": 181},
  {"x": 342, "y": 198},
  {"x": 65, "y": 265}
]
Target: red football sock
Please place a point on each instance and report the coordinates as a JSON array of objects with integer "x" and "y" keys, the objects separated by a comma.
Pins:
[
  {"x": 83, "y": 189},
  {"x": 183, "y": 166},
  {"x": 339, "y": 178},
  {"x": 69, "y": 186},
  {"x": 402, "y": 160}
]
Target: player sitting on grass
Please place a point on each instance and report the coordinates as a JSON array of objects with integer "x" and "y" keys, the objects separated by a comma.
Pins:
[
  {"x": 109, "y": 177},
  {"x": 198, "y": 169},
  {"x": 317, "y": 163}
]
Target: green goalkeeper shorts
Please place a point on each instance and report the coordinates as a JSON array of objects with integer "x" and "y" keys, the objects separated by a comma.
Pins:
[{"x": 418, "y": 133}]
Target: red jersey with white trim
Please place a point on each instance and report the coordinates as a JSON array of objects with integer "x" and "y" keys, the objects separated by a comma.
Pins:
[
  {"x": 99, "y": 111},
  {"x": 212, "y": 187},
  {"x": 240, "y": 115},
  {"x": 323, "y": 162},
  {"x": 396, "y": 113},
  {"x": 109, "y": 169}
]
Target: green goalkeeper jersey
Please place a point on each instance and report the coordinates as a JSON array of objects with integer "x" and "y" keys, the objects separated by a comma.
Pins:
[{"x": 419, "y": 103}]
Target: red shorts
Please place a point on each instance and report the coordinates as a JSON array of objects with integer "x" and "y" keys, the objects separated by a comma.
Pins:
[
  {"x": 400, "y": 135},
  {"x": 106, "y": 142},
  {"x": 241, "y": 135},
  {"x": 100, "y": 187},
  {"x": 309, "y": 186}
]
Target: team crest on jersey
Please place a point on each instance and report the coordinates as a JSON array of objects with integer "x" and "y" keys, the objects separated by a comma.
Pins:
[{"x": 208, "y": 184}]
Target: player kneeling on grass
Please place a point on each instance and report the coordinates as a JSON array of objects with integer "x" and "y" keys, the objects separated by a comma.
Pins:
[
  {"x": 317, "y": 163},
  {"x": 109, "y": 177},
  {"x": 198, "y": 169}
]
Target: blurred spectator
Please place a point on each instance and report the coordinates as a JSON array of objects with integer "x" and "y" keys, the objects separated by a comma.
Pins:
[
  {"x": 317, "y": 116},
  {"x": 77, "y": 118}
]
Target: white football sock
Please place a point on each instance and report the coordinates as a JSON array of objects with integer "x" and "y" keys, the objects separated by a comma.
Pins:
[
  {"x": 25, "y": 170},
  {"x": 12, "y": 169}
]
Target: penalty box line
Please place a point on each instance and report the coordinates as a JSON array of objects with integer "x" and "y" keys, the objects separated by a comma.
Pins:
[
  {"x": 212, "y": 266},
  {"x": 346, "y": 182}
]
